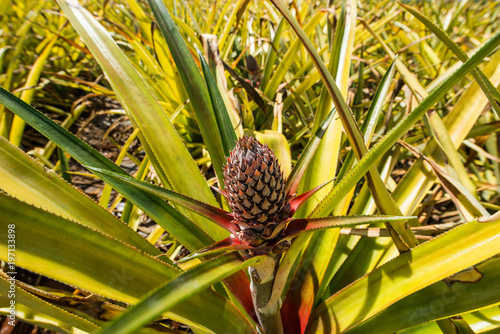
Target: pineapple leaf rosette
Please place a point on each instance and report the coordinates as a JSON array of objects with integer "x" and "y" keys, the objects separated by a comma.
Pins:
[{"x": 262, "y": 203}]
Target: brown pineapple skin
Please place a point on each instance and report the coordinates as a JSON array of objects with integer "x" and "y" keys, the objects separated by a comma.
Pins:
[{"x": 255, "y": 185}]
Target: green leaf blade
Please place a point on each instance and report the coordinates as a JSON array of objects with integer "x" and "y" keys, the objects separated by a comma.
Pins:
[
  {"x": 52, "y": 246},
  {"x": 468, "y": 291},
  {"x": 359, "y": 170},
  {"x": 227, "y": 133},
  {"x": 86, "y": 155},
  {"x": 193, "y": 82},
  {"x": 426, "y": 264},
  {"x": 161, "y": 141},
  {"x": 183, "y": 287}
]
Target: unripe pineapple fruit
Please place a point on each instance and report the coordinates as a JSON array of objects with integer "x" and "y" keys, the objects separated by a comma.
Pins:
[{"x": 255, "y": 185}]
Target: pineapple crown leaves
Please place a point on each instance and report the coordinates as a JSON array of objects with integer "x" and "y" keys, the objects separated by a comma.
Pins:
[{"x": 261, "y": 221}]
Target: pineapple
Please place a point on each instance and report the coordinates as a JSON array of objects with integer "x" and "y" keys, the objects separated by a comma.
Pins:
[{"x": 255, "y": 187}]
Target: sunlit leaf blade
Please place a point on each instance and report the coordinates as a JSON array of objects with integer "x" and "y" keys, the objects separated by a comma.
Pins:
[
  {"x": 484, "y": 320},
  {"x": 156, "y": 208},
  {"x": 342, "y": 108},
  {"x": 401, "y": 235},
  {"x": 27, "y": 180},
  {"x": 51, "y": 246},
  {"x": 6, "y": 116},
  {"x": 193, "y": 82},
  {"x": 300, "y": 167},
  {"x": 375, "y": 110},
  {"x": 34, "y": 306},
  {"x": 304, "y": 225},
  {"x": 228, "y": 244},
  {"x": 459, "y": 194},
  {"x": 271, "y": 58},
  {"x": 27, "y": 304},
  {"x": 217, "y": 215},
  {"x": 216, "y": 65},
  {"x": 441, "y": 136},
  {"x": 432, "y": 119},
  {"x": 299, "y": 300},
  {"x": 18, "y": 124},
  {"x": 176, "y": 291},
  {"x": 279, "y": 144},
  {"x": 228, "y": 136},
  {"x": 159, "y": 137},
  {"x": 284, "y": 64},
  {"x": 237, "y": 284},
  {"x": 316, "y": 257},
  {"x": 456, "y": 168},
  {"x": 419, "y": 179},
  {"x": 341, "y": 189},
  {"x": 367, "y": 129},
  {"x": 298, "y": 200},
  {"x": 488, "y": 88},
  {"x": 410, "y": 272},
  {"x": 467, "y": 291}
]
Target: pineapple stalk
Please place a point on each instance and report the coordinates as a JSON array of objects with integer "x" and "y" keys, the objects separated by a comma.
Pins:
[{"x": 261, "y": 293}]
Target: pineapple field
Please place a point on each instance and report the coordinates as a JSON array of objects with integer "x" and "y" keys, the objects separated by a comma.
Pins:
[{"x": 265, "y": 167}]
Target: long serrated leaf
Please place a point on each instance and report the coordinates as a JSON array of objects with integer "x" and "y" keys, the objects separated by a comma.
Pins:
[
  {"x": 54, "y": 315},
  {"x": 367, "y": 128},
  {"x": 160, "y": 139},
  {"x": 271, "y": 57},
  {"x": 289, "y": 57},
  {"x": 219, "y": 216},
  {"x": 27, "y": 180},
  {"x": 300, "y": 167},
  {"x": 410, "y": 272},
  {"x": 335, "y": 94},
  {"x": 193, "y": 83},
  {"x": 228, "y": 244},
  {"x": 488, "y": 88},
  {"x": 306, "y": 225},
  {"x": 5, "y": 115},
  {"x": 176, "y": 291},
  {"x": 299, "y": 301},
  {"x": 375, "y": 110},
  {"x": 226, "y": 131},
  {"x": 183, "y": 229},
  {"x": 18, "y": 124},
  {"x": 50, "y": 314},
  {"x": 417, "y": 181},
  {"x": 441, "y": 136},
  {"x": 456, "y": 167},
  {"x": 399, "y": 130},
  {"x": 473, "y": 289},
  {"x": 372, "y": 116},
  {"x": 216, "y": 64},
  {"x": 402, "y": 236},
  {"x": 52, "y": 246},
  {"x": 419, "y": 178}
]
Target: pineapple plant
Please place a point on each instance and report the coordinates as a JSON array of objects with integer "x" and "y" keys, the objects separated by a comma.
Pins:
[{"x": 281, "y": 250}]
